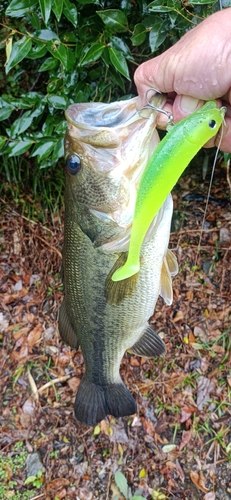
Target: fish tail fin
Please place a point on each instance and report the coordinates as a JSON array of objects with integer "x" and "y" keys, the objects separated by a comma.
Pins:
[{"x": 94, "y": 402}]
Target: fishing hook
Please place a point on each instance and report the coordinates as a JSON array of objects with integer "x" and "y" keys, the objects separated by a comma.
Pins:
[{"x": 149, "y": 105}]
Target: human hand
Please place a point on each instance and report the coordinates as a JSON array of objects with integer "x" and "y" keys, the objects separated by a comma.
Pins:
[{"x": 196, "y": 69}]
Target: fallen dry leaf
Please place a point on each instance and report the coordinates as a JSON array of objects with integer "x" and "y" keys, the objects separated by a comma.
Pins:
[
  {"x": 187, "y": 412},
  {"x": 204, "y": 388},
  {"x": 210, "y": 496},
  {"x": 186, "y": 437},
  {"x": 20, "y": 351},
  {"x": 73, "y": 383},
  {"x": 57, "y": 484},
  {"x": 34, "y": 335},
  {"x": 199, "y": 480}
]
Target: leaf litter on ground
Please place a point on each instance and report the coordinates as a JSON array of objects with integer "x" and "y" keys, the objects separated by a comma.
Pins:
[{"x": 178, "y": 445}]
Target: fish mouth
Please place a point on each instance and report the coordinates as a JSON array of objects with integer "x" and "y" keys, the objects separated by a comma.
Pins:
[{"x": 98, "y": 115}]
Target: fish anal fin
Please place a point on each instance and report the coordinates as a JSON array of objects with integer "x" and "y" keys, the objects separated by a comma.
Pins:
[
  {"x": 150, "y": 345},
  {"x": 169, "y": 269},
  {"x": 172, "y": 263},
  {"x": 66, "y": 329},
  {"x": 117, "y": 291},
  {"x": 166, "y": 283},
  {"x": 94, "y": 402}
]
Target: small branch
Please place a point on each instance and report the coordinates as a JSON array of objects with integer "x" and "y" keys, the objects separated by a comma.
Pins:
[
  {"x": 38, "y": 496},
  {"x": 33, "y": 386},
  {"x": 52, "y": 382}
]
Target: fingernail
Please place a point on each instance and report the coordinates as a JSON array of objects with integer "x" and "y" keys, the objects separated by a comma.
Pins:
[{"x": 189, "y": 104}]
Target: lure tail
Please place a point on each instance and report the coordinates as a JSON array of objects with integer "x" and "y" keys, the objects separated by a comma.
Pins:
[{"x": 126, "y": 271}]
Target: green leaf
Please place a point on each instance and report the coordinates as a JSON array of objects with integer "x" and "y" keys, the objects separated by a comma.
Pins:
[
  {"x": 119, "y": 62},
  {"x": 43, "y": 148},
  {"x": 46, "y": 35},
  {"x": 57, "y": 102},
  {"x": 18, "y": 148},
  {"x": 19, "y": 8},
  {"x": 139, "y": 34},
  {"x": 19, "y": 51},
  {"x": 70, "y": 12},
  {"x": 35, "y": 21},
  {"x": 137, "y": 497},
  {"x": 24, "y": 122},
  {"x": 116, "y": 78},
  {"x": 59, "y": 51},
  {"x": 45, "y": 7},
  {"x": 57, "y": 8},
  {"x": 5, "y": 113},
  {"x": 5, "y": 109},
  {"x": 157, "y": 35},
  {"x": 49, "y": 63},
  {"x": 114, "y": 19},
  {"x": 118, "y": 44},
  {"x": 2, "y": 141},
  {"x": 202, "y": 2},
  {"x": 58, "y": 150},
  {"x": 122, "y": 484},
  {"x": 29, "y": 480},
  {"x": 93, "y": 53},
  {"x": 157, "y": 7},
  {"x": 39, "y": 50}
]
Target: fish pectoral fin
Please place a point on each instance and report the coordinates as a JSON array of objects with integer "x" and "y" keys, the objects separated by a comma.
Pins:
[
  {"x": 66, "y": 329},
  {"x": 117, "y": 291},
  {"x": 94, "y": 402},
  {"x": 150, "y": 345}
]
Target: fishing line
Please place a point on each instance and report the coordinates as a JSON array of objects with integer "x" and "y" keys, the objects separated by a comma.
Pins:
[{"x": 209, "y": 190}]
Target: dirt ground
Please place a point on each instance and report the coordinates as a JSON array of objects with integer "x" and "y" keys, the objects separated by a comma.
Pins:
[{"x": 178, "y": 445}]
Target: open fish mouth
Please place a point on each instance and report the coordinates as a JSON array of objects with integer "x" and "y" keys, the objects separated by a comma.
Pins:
[
  {"x": 100, "y": 115},
  {"x": 118, "y": 130}
]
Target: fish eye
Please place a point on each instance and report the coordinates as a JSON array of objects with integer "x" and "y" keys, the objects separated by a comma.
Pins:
[
  {"x": 212, "y": 124},
  {"x": 73, "y": 164}
]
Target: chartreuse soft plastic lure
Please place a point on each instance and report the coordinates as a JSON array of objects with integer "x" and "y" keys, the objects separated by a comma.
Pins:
[{"x": 164, "y": 168}]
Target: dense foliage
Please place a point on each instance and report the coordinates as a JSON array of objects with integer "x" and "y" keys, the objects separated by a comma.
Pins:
[{"x": 56, "y": 52}]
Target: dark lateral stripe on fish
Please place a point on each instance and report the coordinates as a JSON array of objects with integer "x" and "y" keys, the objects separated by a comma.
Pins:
[
  {"x": 150, "y": 345},
  {"x": 94, "y": 402}
]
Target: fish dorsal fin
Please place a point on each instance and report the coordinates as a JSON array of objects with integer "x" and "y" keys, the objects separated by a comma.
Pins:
[
  {"x": 169, "y": 269},
  {"x": 117, "y": 291},
  {"x": 150, "y": 345}
]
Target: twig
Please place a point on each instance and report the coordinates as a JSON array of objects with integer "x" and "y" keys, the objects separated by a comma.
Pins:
[
  {"x": 52, "y": 382},
  {"x": 38, "y": 496},
  {"x": 33, "y": 386},
  {"x": 16, "y": 214},
  {"x": 227, "y": 175},
  {"x": 48, "y": 244},
  {"x": 186, "y": 231},
  {"x": 108, "y": 485}
]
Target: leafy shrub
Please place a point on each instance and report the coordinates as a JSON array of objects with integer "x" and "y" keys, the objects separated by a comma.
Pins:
[{"x": 61, "y": 51}]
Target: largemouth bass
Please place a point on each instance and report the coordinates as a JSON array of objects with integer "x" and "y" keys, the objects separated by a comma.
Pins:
[{"x": 107, "y": 147}]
